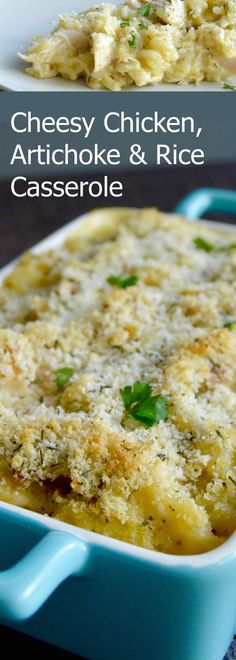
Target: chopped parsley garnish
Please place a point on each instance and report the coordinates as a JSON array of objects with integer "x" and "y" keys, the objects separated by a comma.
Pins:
[
  {"x": 202, "y": 244},
  {"x": 63, "y": 376},
  {"x": 122, "y": 283},
  {"x": 231, "y": 87},
  {"x": 142, "y": 405},
  {"x": 146, "y": 9},
  {"x": 228, "y": 322},
  {"x": 226, "y": 248},
  {"x": 124, "y": 24},
  {"x": 232, "y": 479},
  {"x": 133, "y": 41},
  {"x": 142, "y": 25}
]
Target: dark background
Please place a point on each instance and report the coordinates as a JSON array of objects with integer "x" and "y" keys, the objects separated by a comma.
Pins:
[{"x": 25, "y": 221}]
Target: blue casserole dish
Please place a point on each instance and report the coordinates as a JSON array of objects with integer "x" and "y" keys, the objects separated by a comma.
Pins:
[{"x": 107, "y": 600}]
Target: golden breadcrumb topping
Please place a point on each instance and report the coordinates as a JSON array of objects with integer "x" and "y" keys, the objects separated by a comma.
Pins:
[{"x": 118, "y": 372}]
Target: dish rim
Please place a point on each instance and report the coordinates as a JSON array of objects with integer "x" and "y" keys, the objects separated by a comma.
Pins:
[{"x": 222, "y": 553}]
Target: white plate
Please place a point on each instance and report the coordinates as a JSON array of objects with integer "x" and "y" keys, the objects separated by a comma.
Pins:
[{"x": 21, "y": 19}]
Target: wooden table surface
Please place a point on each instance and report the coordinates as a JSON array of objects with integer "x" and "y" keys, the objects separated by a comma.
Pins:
[{"x": 23, "y": 222}]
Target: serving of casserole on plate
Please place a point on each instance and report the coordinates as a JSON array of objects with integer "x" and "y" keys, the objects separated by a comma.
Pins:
[
  {"x": 38, "y": 18},
  {"x": 117, "y": 410},
  {"x": 114, "y": 46}
]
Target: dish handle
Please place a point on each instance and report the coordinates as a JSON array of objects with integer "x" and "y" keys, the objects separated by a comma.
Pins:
[
  {"x": 27, "y": 585},
  {"x": 198, "y": 202}
]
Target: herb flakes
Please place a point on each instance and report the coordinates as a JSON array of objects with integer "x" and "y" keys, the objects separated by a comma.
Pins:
[
  {"x": 232, "y": 479},
  {"x": 142, "y": 25},
  {"x": 201, "y": 244},
  {"x": 133, "y": 41},
  {"x": 124, "y": 24},
  {"x": 231, "y": 88},
  {"x": 228, "y": 321},
  {"x": 122, "y": 283},
  {"x": 146, "y": 9}
]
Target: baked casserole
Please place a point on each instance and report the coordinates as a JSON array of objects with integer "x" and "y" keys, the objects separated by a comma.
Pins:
[
  {"x": 141, "y": 43},
  {"x": 118, "y": 372}
]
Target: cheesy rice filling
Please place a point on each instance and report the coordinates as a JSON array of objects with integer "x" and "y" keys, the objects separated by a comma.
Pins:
[
  {"x": 140, "y": 43},
  {"x": 118, "y": 373}
]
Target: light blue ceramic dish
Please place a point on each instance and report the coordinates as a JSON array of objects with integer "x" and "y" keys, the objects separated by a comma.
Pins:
[{"x": 107, "y": 600}]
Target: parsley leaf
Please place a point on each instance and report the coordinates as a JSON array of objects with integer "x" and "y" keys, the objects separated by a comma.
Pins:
[
  {"x": 133, "y": 41},
  {"x": 232, "y": 479},
  {"x": 146, "y": 9},
  {"x": 138, "y": 392},
  {"x": 63, "y": 376},
  {"x": 142, "y": 405},
  {"x": 122, "y": 283},
  {"x": 228, "y": 322},
  {"x": 142, "y": 25},
  {"x": 124, "y": 24},
  {"x": 202, "y": 244},
  {"x": 231, "y": 87}
]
